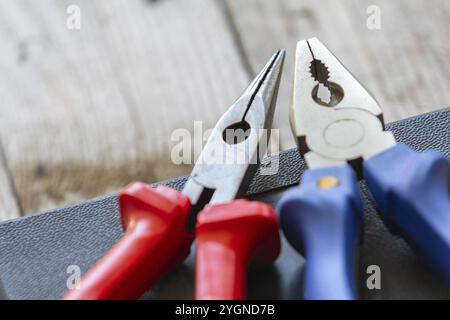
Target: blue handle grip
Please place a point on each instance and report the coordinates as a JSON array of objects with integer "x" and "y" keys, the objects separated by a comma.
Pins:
[
  {"x": 322, "y": 219},
  {"x": 412, "y": 191}
]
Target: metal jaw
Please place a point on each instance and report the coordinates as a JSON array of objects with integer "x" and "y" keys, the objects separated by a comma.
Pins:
[
  {"x": 224, "y": 169},
  {"x": 345, "y": 128}
]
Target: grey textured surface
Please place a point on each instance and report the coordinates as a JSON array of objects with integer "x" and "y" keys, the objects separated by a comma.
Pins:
[{"x": 35, "y": 251}]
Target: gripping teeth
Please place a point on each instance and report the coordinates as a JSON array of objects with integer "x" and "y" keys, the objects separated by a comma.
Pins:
[{"x": 319, "y": 71}]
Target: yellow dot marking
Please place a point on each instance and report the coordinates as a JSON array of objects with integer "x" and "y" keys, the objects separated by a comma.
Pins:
[{"x": 328, "y": 182}]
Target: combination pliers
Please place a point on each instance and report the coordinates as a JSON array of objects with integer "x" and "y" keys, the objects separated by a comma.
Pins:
[
  {"x": 340, "y": 133},
  {"x": 160, "y": 223}
]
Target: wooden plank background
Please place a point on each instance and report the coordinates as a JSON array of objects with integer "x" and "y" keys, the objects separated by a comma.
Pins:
[{"x": 84, "y": 112}]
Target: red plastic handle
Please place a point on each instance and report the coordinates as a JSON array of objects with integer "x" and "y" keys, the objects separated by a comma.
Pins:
[
  {"x": 155, "y": 240},
  {"x": 228, "y": 237}
]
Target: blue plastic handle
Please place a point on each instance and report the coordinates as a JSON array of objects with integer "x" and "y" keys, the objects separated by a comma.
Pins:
[
  {"x": 412, "y": 191},
  {"x": 322, "y": 219}
]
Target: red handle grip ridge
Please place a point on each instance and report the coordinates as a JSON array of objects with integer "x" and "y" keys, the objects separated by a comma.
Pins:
[
  {"x": 155, "y": 240},
  {"x": 229, "y": 237}
]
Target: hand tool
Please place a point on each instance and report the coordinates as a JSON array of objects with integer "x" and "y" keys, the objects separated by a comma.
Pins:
[
  {"x": 340, "y": 133},
  {"x": 159, "y": 222}
]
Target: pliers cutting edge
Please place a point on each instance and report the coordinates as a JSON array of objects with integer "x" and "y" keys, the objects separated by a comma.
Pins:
[
  {"x": 161, "y": 223},
  {"x": 341, "y": 136}
]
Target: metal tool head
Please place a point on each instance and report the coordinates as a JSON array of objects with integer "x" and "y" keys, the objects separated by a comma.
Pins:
[
  {"x": 237, "y": 142},
  {"x": 333, "y": 117}
]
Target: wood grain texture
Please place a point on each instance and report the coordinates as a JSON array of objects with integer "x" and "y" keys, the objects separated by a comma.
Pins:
[
  {"x": 86, "y": 111},
  {"x": 10, "y": 206},
  {"x": 405, "y": 64}
]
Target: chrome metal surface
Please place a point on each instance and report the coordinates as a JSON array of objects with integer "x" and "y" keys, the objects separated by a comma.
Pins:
[
  {"x": 345, "y": 127},
  {"x": 224, "y": 168}
]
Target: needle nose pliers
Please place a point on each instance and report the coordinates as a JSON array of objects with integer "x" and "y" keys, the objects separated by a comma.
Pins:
[
  {"x": 340, "y": 133},
  {"x": 161, "y": 223}
]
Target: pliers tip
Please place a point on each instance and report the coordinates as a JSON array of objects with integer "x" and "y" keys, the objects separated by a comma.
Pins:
[{"x": 265, "y": 85}]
